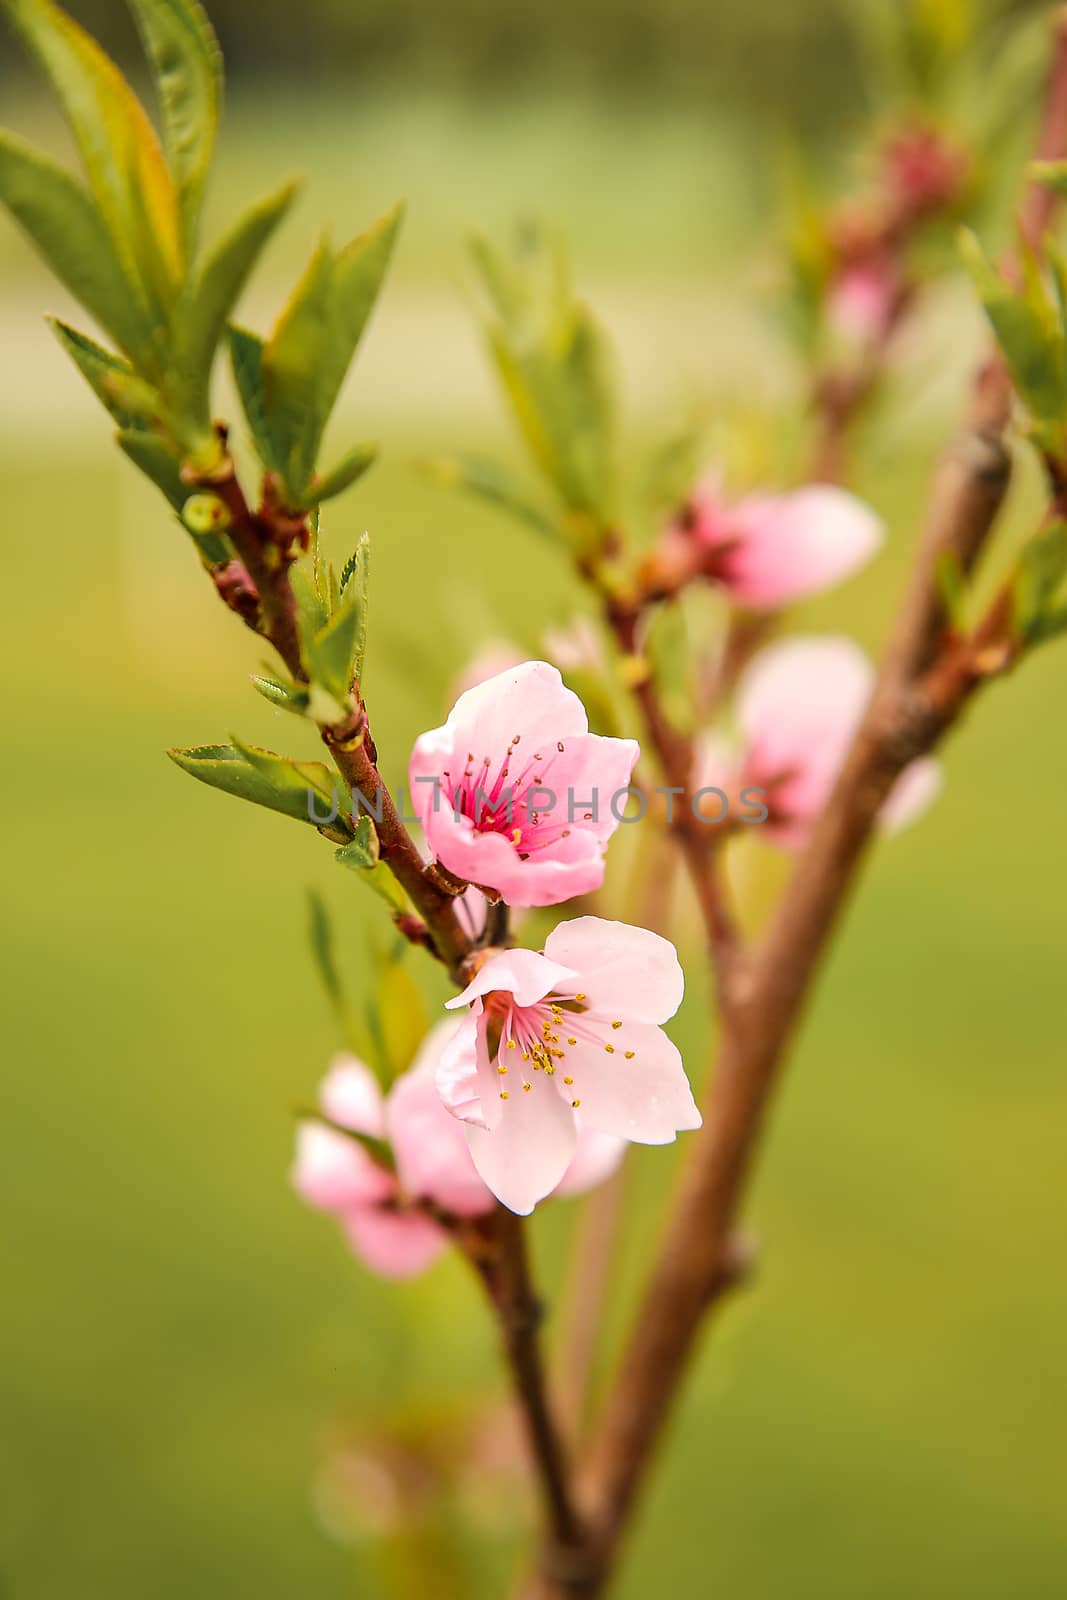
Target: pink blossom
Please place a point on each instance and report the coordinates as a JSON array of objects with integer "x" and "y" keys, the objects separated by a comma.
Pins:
[
  {"x": 767, "y": 550},
  {"x": 798, "y": 706},
  {"x": 863, "y": 299},
  {"x": 577, "y": 1026},
  {"x": 515, "y": 794},
  {"x": 380, "y": 1210}
]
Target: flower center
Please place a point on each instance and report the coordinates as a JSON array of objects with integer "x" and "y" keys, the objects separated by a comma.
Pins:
[{"x": 511, "y": 797}]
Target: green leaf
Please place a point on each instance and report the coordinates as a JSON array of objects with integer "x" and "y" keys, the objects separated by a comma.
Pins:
[
  {"x": 293, "y": 362},
  {"x": 355, "y": 589},
  {"x": 1039, "y": 584},
  {"x": 63, "y": 223},
  {"x": 159, "y": 463},
  {"x": 202, "y": 312},
  {"x": 331, "y": 652},
  {"x": 119, "y": 149},
  {"x": 304, "y": 362},
  {"x": 320, "y": 935},
  {"x": 310, "y": 605},
  {"x": 341, "y": 477},
  {"x": 187, "y": 62},
  {"x": 358, "y": 273},
  {"x": 98, "y": 367},
  {"x": 361, "y": 851},
  {"x": 286, "y": 696},
  {"x": 398, "y": 1020},
  {"x": 494, "y": 483},
  {"x": 304, "y": 790},
  {"x": 246, "y": 359},
  {"x": 1028, "y": 332}
]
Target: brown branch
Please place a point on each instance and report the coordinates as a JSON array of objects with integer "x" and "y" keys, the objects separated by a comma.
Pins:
[{"x": 496, "y": 1247}]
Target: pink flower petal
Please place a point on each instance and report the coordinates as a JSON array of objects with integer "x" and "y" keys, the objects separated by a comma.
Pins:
[
  {"x": 522, "y": 973},
  {"x": 465, "y": 1079},
  {"x": 395, "y": 1244},
  {"x": 514, "y": 793},
  {"x": 624, "y": 972},
  {"x": 799, "y": 705},
  {"x": 914, "y": 791},
  {"x": 432, "y": 1158},
  {"x": 596, "y": 1158},
  {"x": 350, "y": 1096},
  {"x": 778, "y": 548},
  {"x": 646, "y": 1099},
  {"x": 527, "y": 1153},
  {"x": 332, "y": 1172}
]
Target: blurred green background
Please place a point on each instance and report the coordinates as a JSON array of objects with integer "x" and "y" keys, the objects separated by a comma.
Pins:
[{"x": 196, "y": 1377}]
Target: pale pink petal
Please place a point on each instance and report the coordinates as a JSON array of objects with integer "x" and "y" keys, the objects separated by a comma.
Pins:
[
  {"x": 432, "y": 1158},
  {"x": 396, "y": 1244},
  {"x": 530, "y": 699},
  {"x": 350, "y": 1096},
  {"x": 530, "y": 1149},
  {"x": 522, "y": 973},
  {"x": 626, "y": 973},
  {"x": 466, "y": 1081},
  {"x": 916, "y": 789},
  {"x": 596, "y": 1157},
  {"x": 792, "y": 545},
  {"x": 799, "y": 705},
  {"x": 332, "y": 1172},
  {"x": 646, "y": 1099}
]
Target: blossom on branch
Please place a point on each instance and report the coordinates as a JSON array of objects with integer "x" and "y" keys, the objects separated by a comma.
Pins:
[
  {"x": 515, "y": 794},
  {"x": 572, "y": 1030},
  {"x": 797, "y": 708},
  {"x": 394, "y": 1219}
]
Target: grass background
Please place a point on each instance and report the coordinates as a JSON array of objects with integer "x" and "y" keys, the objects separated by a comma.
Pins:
[{"x": 184, "y": 1349}]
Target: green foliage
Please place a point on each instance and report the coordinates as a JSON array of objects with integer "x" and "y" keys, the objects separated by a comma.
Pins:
[
  {"x": 494, "y": 483},
  {"x": 552, "y": 363},
  {"x": 323, "y": 952},
  {"x": 1030, "y": 326},
  {"x": 188, "y": 69},
  {"x": 289, "y": 384},
  {"x": 361, "y": 851},
  {"x": 207, "y": 302},
  {"x": 1041, "y": 586},
  {"x": 303, "y": 790},
  {"x": 286, "y": 696}
]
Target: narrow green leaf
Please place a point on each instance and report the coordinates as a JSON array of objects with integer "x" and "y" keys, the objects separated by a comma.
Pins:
[
  {"x": 1039, "y": 583},
  {"x": 63, "y": 223},
  {"x": 286, "y": 696},
  {"x": 246, "y": 359},
  {"x": 361, "y": 851},
  {"x": 202, "y": 311},
  {"x": 1028, "y": 334},
  {"x": 331, "y": 652},
  {"x": 187, "y": 62},
  {"x": 97, "y": 366},
  {"x": 398, "y": 1017},
  {"x": 355, "y": 587},
  {"x": 1053, "y": 174},
  {"x": 341, "y": 477},
  {"x": 358, "y": 273},
  {"x": 294, "y": 360},
  {"x": 379, "y": 1151},
  {"x": 119, "y": 149},
  {"x": 159, "y": 463},
  {"x": 304, "y": 790},
  {"x": 321, "y": 939},
  {"x": 496, "y": 484},
  {"x": 310, "y": 605}
]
